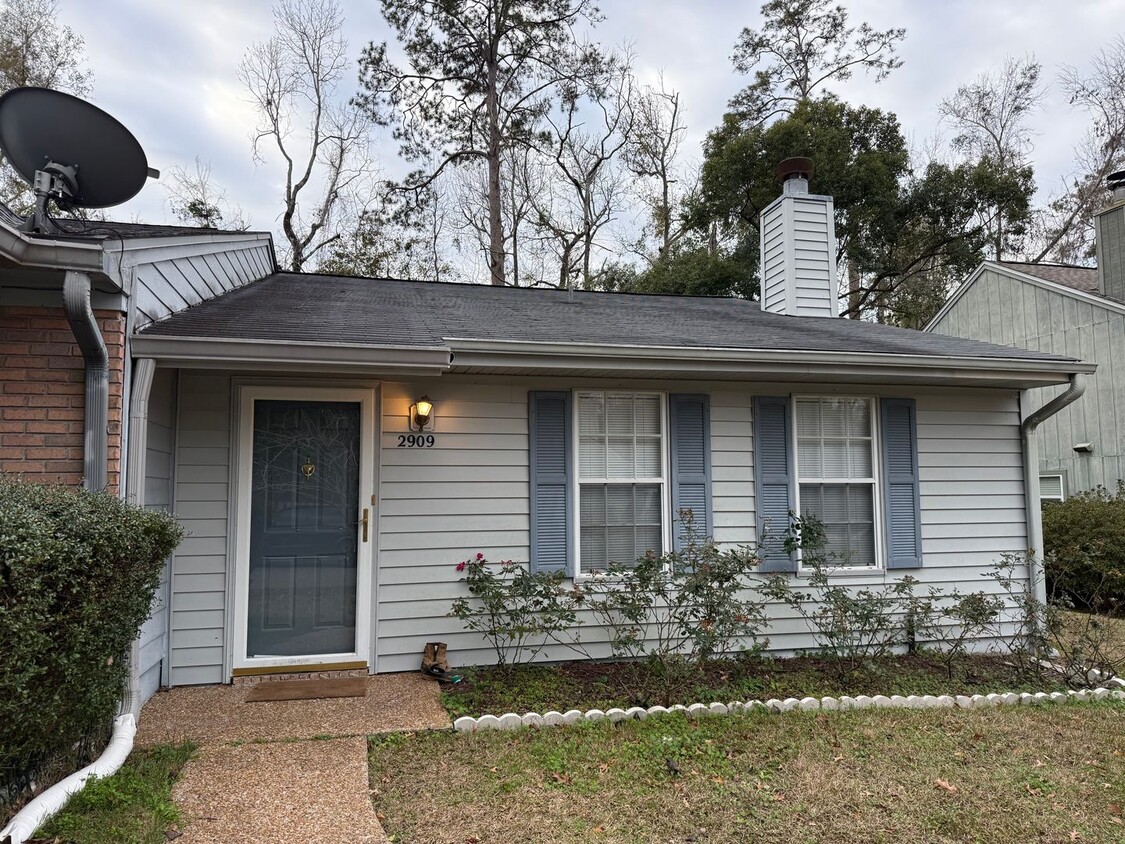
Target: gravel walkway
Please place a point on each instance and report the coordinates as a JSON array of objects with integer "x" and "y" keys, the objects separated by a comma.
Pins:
[
  {"x": 284, "y": 770},
  {"x": 219, "y": 714},
  {"x": 282, "y": 791}
]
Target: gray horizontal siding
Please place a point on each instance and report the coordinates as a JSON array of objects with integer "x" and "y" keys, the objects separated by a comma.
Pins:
[
  {"x": 199, "y": 568},
  {"x": 1000, "y": 308},
  {"x": 188, "y": 277}
]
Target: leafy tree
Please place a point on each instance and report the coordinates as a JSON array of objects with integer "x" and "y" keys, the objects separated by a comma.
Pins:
[
  {"x": 478, "y": 79},
  {"x": 292, "y": 79},
  {"x": 802, "y": 46},
  {"x": 989, "y": 115}
]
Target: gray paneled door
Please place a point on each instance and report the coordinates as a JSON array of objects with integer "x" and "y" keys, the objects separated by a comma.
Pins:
[{"x": 303, "y": 543}]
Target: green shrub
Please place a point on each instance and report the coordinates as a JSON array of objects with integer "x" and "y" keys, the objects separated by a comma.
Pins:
[
  {"x": 1084, "y": 541},
  {"x": 77, "y": 574}
]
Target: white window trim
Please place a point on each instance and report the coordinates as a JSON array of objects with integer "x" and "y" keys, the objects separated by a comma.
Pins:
[
  {"x": 1062, "y": 486},
  {"x": 877, "y": 481},
  {"x": 575, "y": 528}
]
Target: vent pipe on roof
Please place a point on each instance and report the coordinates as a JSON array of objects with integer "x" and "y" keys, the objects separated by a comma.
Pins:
[
  {"x": 1109, "y": 229},
  {"x": 798, "y": 247}
]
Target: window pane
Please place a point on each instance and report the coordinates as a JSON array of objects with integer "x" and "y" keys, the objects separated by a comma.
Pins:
[
  {"x": 592, "y": 505},
  {"x": 809, "y": 460},
  {"x": 647, "y": 414},
  {"x": 591, "y": 414},
  {"x": 619, "y": 414},
  {"x": 859, "y": 459},
  {"x": 619, "y": 505},
  {"x": 621, "y": 458},
  {"x": 808, "y": 418},
  {"x": 835, "y": 459},
  {"x": 859, "y": 418},
  {"x": 591, "y": 457},
  {"x": 832, "y": 418},
  {"x": 594, "y": 555},
  {"x": 648, "y": 539},
  {"x": 847, "y": 512},
  {"x": 648, "y": 504},
  {"x": 622, "y": 545},
  {"x": 648, "y": 458}
]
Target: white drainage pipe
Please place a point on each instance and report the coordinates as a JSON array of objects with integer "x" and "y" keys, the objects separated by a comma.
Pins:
[{"x": 35, "y": 814}]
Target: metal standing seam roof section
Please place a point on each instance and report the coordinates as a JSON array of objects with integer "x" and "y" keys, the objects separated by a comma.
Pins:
[{"x": 309, "y": 308}]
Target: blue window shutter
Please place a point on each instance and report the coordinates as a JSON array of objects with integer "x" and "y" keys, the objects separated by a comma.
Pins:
[
  {"x": 549, "y": 430},
  {"x": 689, "y": 419},
  {"x": 773, "y": 486},
  {"x": 900, "y": 483}
]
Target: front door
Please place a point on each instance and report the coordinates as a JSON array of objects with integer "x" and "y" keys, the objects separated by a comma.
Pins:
[{"x": 304, "y": 505}]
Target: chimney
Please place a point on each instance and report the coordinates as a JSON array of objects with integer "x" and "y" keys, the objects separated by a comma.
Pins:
[
  {"x": 798, "y": 247},
  {"x": 1109, "y": 228}
]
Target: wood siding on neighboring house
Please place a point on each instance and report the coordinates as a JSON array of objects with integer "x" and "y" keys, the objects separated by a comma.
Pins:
[
  {"x": 188, "y": 275},
  {"x": 470, "y": 493},
  {"x": 158, "y": 494},
  {"x": 43, "y": 394},
  {"x": 1001, "y": 308}
]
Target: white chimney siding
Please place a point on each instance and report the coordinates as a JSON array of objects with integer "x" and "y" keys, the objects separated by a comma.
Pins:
[{"x": 798, "y": 253}]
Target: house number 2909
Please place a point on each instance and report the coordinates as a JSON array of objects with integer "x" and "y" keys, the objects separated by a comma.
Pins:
[{"x": 415, "y": 441}]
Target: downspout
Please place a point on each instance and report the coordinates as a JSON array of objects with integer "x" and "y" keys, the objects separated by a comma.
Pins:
[
  {"x": 143, "y": 373},
  {"x": 1031, "y": 480},
  {"x": 84, "y": 325}
]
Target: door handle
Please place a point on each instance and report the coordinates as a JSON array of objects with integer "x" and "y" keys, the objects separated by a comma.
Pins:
[{"x": 365, "y": 521}]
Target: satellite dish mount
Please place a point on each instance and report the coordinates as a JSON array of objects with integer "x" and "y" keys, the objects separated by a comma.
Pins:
[{"x": 70, "y": 152}]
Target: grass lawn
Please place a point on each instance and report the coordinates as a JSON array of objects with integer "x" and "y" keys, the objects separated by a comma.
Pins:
[
  {"x": 1028, "y": 774},
  {"x": 134, "y": 805},
  {"x": 585, "y": 685}
]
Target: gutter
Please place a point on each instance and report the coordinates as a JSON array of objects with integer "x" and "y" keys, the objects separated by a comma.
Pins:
[
  {"x": 80, "y": 315},
  {"x": 1031, "y": 480},
  {"x": 757, "y": 362},
  {"x": 50, "y": 253}
]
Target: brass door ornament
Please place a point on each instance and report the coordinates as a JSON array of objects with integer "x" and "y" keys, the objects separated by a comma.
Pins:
[{"x": 307, "y": 468}]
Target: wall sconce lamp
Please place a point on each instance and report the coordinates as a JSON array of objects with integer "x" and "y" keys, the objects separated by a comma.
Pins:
[{"x": 421, "y": 413}]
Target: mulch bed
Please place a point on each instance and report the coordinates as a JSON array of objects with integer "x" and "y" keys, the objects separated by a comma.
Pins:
[{"x": 586, "y": 685}]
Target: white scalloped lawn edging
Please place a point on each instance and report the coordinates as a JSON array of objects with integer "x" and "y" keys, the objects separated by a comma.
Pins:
[{"x": 512, "y": 721}]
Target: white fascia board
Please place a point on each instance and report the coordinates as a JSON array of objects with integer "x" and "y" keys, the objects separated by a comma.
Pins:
[
  {"x": 753, "y": 362},
  {"x": 203, "y": 352}
]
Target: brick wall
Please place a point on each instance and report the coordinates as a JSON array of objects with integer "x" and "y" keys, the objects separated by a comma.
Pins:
[{"x": 43, "y": 394}]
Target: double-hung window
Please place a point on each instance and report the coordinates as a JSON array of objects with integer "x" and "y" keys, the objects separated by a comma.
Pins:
[
  {"x": 621, "y": 477},
  {"x": 837, "y": 474}
]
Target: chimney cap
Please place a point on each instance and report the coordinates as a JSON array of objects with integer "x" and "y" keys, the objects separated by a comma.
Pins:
[{"x": 802, "y": 168}]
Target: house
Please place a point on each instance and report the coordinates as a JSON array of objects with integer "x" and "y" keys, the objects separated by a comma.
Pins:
[
  {"x": 335, "y": 446},
  {"x": 1066, "y": 310}
]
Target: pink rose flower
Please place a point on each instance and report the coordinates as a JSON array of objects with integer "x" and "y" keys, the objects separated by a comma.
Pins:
[
  {"x": 480, "y": 556},
  {"x": 461, "y": 566}
]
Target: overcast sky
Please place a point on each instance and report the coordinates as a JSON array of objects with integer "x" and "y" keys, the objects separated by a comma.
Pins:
[{"x": 167, "y": 70}]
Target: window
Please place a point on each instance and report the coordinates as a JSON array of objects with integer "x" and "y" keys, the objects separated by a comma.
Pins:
[
  {"x": 621, "y": 477},
  {"x": 836, "y": 475},
  {"x": 1051, "y": 488}
]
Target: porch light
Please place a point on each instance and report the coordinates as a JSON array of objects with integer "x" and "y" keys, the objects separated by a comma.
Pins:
[{"x": 421, "y": 412}]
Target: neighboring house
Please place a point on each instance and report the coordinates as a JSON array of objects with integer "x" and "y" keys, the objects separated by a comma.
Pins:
[
  {"x": 1065, "y": 310},
  {"x": 326, "y": 515}
]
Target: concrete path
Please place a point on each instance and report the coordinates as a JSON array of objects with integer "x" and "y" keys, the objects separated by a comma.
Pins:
[{"x": 284, "y": 770}]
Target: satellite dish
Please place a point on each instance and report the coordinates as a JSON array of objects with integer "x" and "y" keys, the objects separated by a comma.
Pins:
[{"x": 70, "y": 152}]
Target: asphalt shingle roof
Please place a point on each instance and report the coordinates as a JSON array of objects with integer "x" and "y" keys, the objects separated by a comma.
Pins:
[
  {"x": 1069, "y": 275},
  {"x": 128, "y": 231},
  {"x": 380, "y": 312}
]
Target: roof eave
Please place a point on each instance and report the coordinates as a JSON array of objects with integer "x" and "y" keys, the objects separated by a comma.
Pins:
[
  {"x": 769, "y": 364},
  {"x": 208, "y": 352}
]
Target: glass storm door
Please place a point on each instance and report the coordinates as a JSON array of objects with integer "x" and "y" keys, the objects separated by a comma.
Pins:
[{"x": 303, "y": 544}]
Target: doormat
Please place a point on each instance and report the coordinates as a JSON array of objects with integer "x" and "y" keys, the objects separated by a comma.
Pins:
[{"x": 307, "y": 689}]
